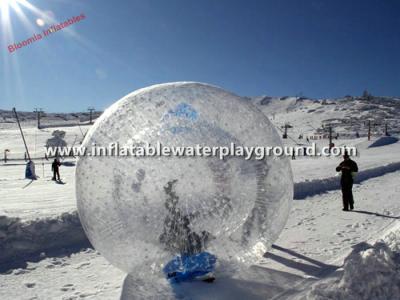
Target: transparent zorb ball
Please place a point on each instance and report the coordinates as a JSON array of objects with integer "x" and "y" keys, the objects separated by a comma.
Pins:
[{"x": 141, "y": 212}]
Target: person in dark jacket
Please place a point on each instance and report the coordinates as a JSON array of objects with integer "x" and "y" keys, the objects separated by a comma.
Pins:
[
  {"x": 55, "y": 167},
  {"x": 348, "y": 168}
]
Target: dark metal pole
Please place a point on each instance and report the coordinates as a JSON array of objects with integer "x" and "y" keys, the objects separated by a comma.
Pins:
[
  {"x": 38, "y": 118},
  {"x": 285, "y": 132},
  {"x": 91, "y": 109},
  {"x": 369, "y": 130},
  {"x": 22, "y": 134}
]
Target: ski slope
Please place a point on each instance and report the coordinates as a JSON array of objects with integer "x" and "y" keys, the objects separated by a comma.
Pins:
[
  {"x": 308, "y": 260},
  {"x": 41, "y": 198}
]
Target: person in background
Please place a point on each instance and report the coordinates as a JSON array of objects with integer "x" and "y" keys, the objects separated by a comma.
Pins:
[
  {"x": 348, "y": 168},
  {"x": 55, "y": 167}
]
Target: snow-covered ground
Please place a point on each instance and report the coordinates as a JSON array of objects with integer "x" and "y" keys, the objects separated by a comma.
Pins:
[
  {"x": 313, "y": 245},
  {"x": 52, "y": 200},
  {"x": 319, "y": 255},
  {"x": 28, "y": 199}
]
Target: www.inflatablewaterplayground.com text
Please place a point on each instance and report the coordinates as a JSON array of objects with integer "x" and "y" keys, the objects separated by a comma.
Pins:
[{"x": 222, "y": 152}]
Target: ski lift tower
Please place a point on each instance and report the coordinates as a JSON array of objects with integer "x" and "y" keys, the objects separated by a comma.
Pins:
[
  {"x": 371, "y": 123},
  {"x": 38, "y": 112},
  {"x": 387, "y": 122},
  {"x": 286, "y": 127},
  {"x": 330, "y": 138},
  {"x": 91, "y": 110}
]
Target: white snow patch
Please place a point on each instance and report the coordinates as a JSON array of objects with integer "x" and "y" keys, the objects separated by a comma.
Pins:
[
  {"x": 19, "y": 238},
  {"x": 370, "y": 272}
]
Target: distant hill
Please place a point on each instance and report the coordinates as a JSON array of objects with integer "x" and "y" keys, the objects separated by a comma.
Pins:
[
  {"x": 7, "y": 116},
  {"x": 348, "y": 116}
]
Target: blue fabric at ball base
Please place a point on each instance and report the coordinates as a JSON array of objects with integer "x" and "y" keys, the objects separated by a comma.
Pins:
[{"x": 189, "y": 267}]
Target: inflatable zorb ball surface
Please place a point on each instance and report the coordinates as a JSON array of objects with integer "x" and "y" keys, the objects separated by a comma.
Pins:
[{"x": 141, "y": 212}]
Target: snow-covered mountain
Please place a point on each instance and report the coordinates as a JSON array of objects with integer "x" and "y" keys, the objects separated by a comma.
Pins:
[
  {"x": 7, "y": 116},
  {"x": 349, "y": 116}
]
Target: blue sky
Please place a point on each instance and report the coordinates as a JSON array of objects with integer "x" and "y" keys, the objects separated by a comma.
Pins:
[{"x": 325, "y": 48}]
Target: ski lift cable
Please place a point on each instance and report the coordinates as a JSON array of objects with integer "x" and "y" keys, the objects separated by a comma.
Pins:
[
  {"x": 34, "y": 149},
  {"x": 79, "y": 125},
  {"x": 73, "y": 144}
]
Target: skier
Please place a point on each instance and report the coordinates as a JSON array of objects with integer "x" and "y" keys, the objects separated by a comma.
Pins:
[
  {"x": 55, "y": 167},
  {"x": 348, "y": 168}
]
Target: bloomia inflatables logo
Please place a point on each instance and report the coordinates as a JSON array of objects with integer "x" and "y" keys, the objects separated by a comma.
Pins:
[{"x": 45, "y": 33}]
